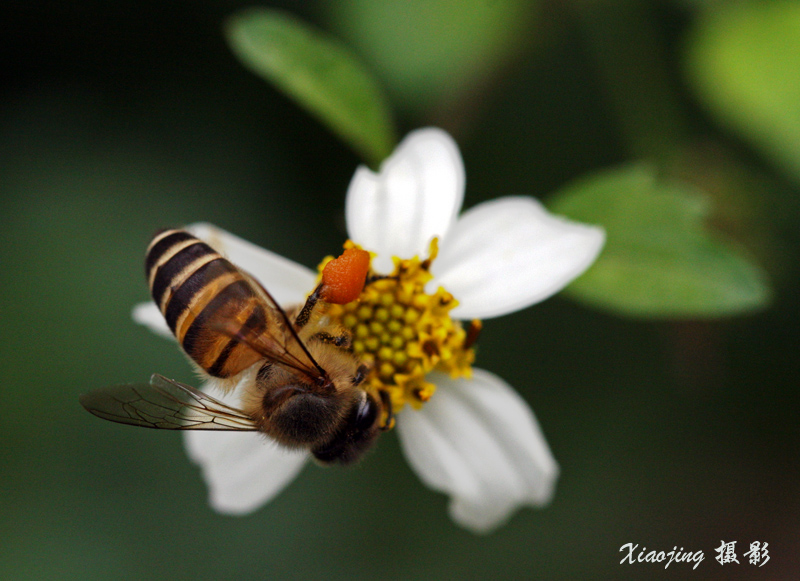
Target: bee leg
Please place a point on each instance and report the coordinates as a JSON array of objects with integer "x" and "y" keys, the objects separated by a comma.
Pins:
[
  {"x": 342, "y": 340},
  {"x": 305, "y": 313},
  {"x": 387, "y": 404},
  {"x": 361, "y": 374},
  {"x": 376, "y": 277}
]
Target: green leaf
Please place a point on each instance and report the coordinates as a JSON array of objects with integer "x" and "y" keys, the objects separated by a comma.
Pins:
[
  {"x": 661, "y": 258},
  {"x": 427, "y": 51},
  {"x": 743, "y": 60},
  {"x": 319, "y": 73}
]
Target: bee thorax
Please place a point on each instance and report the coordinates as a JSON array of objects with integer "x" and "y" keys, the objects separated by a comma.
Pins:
[{"x": 295, "y": 416}]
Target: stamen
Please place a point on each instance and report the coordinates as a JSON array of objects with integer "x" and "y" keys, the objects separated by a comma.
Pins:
[{"x": 403, "y": 334}]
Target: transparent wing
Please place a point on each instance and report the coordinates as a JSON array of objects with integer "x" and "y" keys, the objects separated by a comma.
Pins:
[
  {"x": 285, "y": 347},
  {"x": 165, "y": 404}
]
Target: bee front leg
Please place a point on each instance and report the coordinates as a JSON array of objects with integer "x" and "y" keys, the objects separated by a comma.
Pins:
[
  {"x": 305, "y": 313},
  {"x": 344, "y": 341},
  {"x": 376, "y": 277}
]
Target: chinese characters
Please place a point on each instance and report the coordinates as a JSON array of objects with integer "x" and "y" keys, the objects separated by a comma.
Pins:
[{"x": 758, "y": 553}]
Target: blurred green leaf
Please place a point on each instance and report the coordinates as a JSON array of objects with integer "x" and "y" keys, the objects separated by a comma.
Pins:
[
  {"x": 319, "y": 73},
  {"x": 429, "y": 49},
  {"x": 744, "y": 63},
  {"x": 661, "y": 259}
]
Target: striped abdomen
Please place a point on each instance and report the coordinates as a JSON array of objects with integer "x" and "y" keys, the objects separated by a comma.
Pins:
[{"x": 199, "y": 293}]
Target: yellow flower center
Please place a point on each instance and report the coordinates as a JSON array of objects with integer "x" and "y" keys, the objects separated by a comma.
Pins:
[{"x": 403, "y": 333}]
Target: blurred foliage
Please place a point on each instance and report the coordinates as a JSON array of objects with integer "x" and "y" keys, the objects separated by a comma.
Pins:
[
  {"x": 320, "y": 74},
  {"x": 661, "y": 258},
  {"x": 743, "y": 60},
  {"x": 120, "y": 118},
  {"x": 432, "y": 52},
  {"x": 660, "y": 262}
]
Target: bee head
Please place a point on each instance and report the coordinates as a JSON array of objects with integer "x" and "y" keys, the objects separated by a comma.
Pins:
[{"x": 355, "y": 435}]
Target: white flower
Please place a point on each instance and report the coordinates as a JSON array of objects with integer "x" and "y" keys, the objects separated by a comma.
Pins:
[{"x": 476, "y": 439}]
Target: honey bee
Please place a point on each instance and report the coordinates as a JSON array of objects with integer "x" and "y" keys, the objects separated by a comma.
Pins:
[{"x": 301, "y": 383}]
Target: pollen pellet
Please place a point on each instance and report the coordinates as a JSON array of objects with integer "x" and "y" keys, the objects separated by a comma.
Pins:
[{"x": 343, "y": 278}]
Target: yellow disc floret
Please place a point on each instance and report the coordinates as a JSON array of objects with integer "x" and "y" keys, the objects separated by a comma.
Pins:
[{"x": 403, "y": 333}]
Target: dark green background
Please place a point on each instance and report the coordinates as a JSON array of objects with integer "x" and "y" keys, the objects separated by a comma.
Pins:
[{"x": 119, "y": 118}]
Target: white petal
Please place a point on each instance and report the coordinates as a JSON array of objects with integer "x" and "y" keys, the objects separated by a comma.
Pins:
[
  {"x": 243, "y": 470},
  {"x": 504, "y": 255},
  {"x": 478, "y": 441},
  {"x": 286, "y": 280},
  {"x": 147, "y": 314},
  {"x": 416, "y": 196}
]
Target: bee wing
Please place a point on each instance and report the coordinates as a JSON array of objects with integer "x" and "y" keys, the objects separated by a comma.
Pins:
[
  {"x": 165, "y": 404},
  {"x": 284, "y": 348}
]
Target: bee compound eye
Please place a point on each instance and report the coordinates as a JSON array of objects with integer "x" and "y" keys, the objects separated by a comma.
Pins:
[
  {"x": 366, "y": 414},
  {"x": 356, "y": 435}
]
